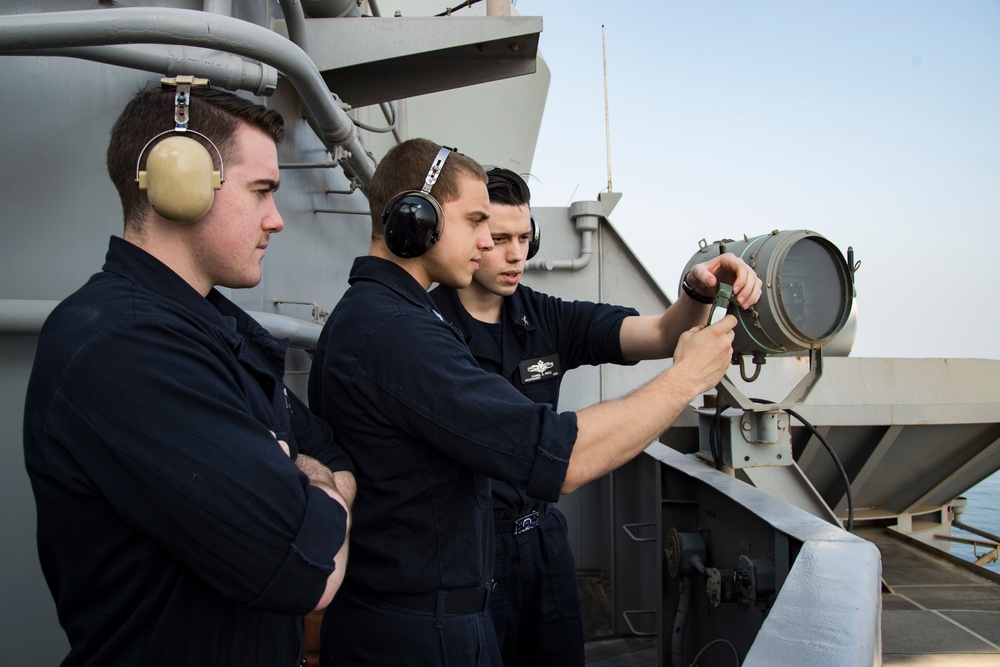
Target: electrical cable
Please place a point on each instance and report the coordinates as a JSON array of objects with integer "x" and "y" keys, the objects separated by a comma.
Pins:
[
  {"x": 450, "y": 10},
  {"x": 680, "y": 620},
  {"x": 833, "y": 454},
  {"x": 736, "y": 654},
  {"x": 836, "y": 460},
  {"x": 715, "y": 435},
  {"x": 379, "y": 130},
  {"x": 715, "y": 445}
]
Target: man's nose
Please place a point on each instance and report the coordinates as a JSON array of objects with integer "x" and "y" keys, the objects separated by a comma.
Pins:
[
  {"x": 517, "y": 251},
  {"x": 485, "y": 238},
  {"x": 273, "y": 222}
]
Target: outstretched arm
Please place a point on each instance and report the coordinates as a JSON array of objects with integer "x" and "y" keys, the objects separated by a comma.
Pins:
[
  {"x": 656, "y": 336},
  {"x": 612, "y": 433}
]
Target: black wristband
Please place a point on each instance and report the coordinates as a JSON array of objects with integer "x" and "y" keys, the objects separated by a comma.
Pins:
[{"x": 694, "y": 296}]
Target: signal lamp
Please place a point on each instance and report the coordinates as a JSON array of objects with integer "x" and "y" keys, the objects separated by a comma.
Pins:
[{"x": 806, "y": 299}]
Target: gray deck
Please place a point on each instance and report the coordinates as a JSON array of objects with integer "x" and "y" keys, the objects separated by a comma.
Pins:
[{"x": 934, "y": 614}]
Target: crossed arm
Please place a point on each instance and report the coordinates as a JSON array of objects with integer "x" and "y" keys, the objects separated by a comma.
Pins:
[{"x": 341, "y": 486}]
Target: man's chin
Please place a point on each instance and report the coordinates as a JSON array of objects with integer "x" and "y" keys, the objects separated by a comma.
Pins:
[
  {"x": 506, "y": 289},
  {"x": 244, "y": 282}
]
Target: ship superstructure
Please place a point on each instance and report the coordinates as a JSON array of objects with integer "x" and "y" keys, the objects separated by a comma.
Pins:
[{"x": 705, "y": 543}]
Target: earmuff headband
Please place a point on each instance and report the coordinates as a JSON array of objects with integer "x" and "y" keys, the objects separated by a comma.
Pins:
[
  {"x": 138, "y": 162},
  {"x": 435, "y": 171}
]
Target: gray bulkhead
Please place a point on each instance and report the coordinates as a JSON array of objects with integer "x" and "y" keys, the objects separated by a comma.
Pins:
[{"x": 60, "y": 208}]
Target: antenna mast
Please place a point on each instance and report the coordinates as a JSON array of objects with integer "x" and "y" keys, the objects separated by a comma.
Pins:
[{"x": 607, "y": 118}]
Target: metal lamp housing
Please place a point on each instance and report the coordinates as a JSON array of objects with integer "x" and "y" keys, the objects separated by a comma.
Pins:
[{"x": 807, "y": 295}]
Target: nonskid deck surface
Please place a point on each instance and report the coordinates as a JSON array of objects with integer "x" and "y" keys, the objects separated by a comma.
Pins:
[{"x": 935, "y": 612}]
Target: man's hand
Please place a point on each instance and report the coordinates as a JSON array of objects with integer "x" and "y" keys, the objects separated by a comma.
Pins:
[
  {"x": 315, "y": 471},
  {"x": 727, "y": 268},
  {"x": 340, "y": 482},
  {"x": 704, "y": 354},
  {"x": 341, "y": 485}
]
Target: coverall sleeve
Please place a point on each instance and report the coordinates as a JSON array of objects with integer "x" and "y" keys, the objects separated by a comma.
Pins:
[{"x": 168, "y": 431}]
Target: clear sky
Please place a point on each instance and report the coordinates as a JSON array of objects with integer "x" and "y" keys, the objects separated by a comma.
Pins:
[{"x": 875, "y": 124}]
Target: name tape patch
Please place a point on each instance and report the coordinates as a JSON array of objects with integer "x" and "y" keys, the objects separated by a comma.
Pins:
[{"x": 533, "y": 370}]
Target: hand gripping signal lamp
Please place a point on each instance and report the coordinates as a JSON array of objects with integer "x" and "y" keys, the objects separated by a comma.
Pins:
[{"x": 806, "y": 301}]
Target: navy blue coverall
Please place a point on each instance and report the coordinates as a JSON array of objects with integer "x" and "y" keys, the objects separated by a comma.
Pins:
[
  {"x": 426, "y": 428},
  {"x": 172, "y": 528},
  {"x": 536, "y": 603}
]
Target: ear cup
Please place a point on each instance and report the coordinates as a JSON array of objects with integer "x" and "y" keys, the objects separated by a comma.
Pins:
[
  {"x": 180, "y": 179},
  {"x": 536, "y": 238},
  {"x": 412, "y": 224}
]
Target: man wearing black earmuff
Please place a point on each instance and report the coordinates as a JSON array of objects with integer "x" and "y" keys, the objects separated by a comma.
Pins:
[
  {"x": 427, "y": 427},
  {"x": 187, "y": 509},
  {"x": 532, "y": 340}
]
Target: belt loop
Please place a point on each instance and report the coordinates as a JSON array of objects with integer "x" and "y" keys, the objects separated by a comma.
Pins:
[{"x": 439, "y": 609}]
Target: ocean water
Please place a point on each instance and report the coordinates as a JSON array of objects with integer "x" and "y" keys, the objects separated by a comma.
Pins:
[{"x": 982, "y": 513}]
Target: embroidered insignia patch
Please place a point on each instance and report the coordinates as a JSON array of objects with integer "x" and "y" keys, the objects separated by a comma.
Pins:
[{"x": 535, "y": 369}]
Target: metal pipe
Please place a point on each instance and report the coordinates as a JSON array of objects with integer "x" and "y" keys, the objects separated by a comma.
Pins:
[
  {"x": 976, "y": 531},
  {"x": 25, "y": 317},
  {"x": 295, "y": 24},
  {"x": 587, "y": 216},
  {"x": 390, "y": 115},
  {"x": 222, "y": 69},
  {"x": 498, "y": 7},
  {"x": 131, "y": 25},
  {"x": 586, "y": 252},
  {"x": 295, "y": 21},
  {"x": 301, "y": 334}
]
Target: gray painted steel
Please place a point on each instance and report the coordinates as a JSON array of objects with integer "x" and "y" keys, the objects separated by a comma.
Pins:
[{"x": 914, "y": 433}]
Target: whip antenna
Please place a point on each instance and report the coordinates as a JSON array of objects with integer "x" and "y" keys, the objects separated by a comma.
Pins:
[{"x": 607, "y": 118}]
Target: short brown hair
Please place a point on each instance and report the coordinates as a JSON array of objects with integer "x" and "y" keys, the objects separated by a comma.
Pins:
[
  {"x": 214, "y": 113},
  {"x": 404, "y": 168}
]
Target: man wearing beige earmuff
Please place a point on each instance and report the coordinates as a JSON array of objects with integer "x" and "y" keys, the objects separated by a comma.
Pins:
[{"x": 190, "y": 508}]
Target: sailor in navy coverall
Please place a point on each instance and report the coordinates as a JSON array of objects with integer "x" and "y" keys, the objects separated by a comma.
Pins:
[
  {"x": 532, "y": 340},
  {"x": 427, "y": 427},
  {"x": 180, "y": 520},
  {"x": 535, "y": 605}
]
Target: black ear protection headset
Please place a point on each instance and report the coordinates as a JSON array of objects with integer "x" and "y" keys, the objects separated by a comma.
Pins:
[
  {"x": 412, "y": 220},
  {"x": 535, "y": 240},
  {"x": 180, "y": 178}
]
